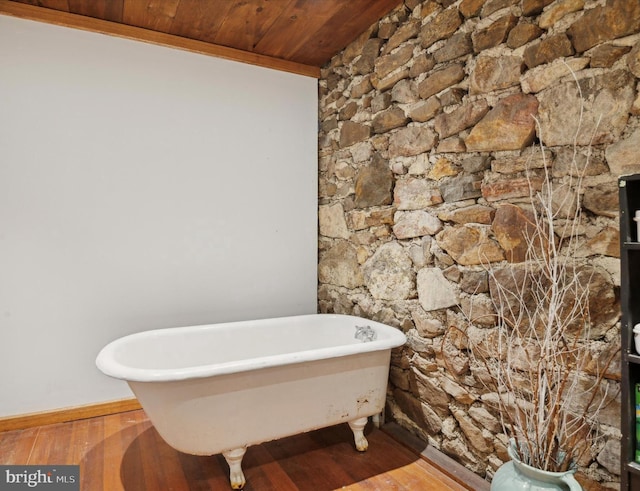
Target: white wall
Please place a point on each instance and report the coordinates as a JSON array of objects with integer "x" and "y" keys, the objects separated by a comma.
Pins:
[{"x": 141, "y": 187}]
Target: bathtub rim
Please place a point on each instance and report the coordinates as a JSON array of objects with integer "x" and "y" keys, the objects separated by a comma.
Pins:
[{"x": 107, "y": 364}]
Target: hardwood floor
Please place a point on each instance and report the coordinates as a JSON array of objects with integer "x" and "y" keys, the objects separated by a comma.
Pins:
[{"x": 124, "y": 452}]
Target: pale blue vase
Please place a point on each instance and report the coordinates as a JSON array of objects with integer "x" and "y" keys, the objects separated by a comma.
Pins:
[{"x": 517, "y": 476}]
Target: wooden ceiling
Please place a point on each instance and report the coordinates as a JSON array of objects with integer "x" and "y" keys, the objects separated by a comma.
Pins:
[{"x": 291, "y": 33}]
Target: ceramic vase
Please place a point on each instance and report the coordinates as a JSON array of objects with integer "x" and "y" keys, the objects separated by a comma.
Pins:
[{"x": 518, "y": 476}]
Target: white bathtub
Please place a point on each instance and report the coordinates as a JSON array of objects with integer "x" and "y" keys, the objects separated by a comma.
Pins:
[{"x": 222, "y": 387}]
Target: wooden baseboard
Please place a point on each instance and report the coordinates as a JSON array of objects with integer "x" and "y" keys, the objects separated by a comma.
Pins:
[{"x": 64, "y": 415}]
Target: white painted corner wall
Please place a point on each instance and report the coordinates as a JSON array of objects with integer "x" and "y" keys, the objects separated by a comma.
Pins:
[{"x": 141, "y": 187}]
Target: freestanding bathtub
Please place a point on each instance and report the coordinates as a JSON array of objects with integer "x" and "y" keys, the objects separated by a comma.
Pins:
[{"x": 219, "y": 388}]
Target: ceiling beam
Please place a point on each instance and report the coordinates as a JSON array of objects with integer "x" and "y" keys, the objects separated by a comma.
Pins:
[{"x": 75, "y": 21}]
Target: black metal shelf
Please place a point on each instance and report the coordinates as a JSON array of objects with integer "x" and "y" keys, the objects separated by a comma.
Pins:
[
  {"x": 633, "y": 467},
  {"x": 629, "y": 194}
]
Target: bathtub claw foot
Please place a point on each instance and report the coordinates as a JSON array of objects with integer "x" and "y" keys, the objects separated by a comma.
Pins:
[
  {"x": 357, "y": 426},
  {"x": 234, "y": 459},
  {"x": 378, "y": 419}
]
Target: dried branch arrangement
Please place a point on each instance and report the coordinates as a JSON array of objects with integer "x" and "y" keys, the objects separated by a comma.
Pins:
[{"x": 536, "y": 358}]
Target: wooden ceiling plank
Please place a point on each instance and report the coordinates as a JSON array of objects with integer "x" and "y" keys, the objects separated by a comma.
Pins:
[
  {"x": 296, "y": 26},
  {"x": 199, "y": 20},
  {"x": 50, "y": 4},
  {"x": 269, "y": 16},
  {"x": 345, "y": 26},
  {"x": 75, "y": 21},
  {"x": 100, "y": 9},
  {"x": 157, "y": 15},
  {"x": 246, "y": 23}
]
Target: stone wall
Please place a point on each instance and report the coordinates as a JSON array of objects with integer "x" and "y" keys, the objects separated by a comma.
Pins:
[{"x": 427, "y": 123}]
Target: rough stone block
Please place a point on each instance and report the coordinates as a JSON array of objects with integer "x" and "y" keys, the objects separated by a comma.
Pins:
[
  {"x": 387, "y": 64},
  {"x": 470, "y": 8},
  {"x": 453, "y": 144},
  {"x": 415, "y": 194},
  {"x": 594, "y": 114},
  {"x": 623, "y": 156},
  {"x": 512, "y": 226},
  {"x": 332, "y": 222},
  {"x": 508, "y": 188},
  {"x": 374, "y": 184},
  {"x": 348, "y": 111},
  {"x": 469, "y": 214},
  {"x": 361, "y": 88},
  {"x": 391, "y": 118},
  {"x": 443, "y": 167},
  {"x": 476, "y": 163},
  {"x": 465, "y": 116},
  {"x": 547, "y": 50},
  {"x": 405, "y": 92},
  {"x": 541, "y": 77},
  {"x": 421, "y": 64},
  {"x": 358, "y": 46},
  {"x": 370, "y": 52},
  {"x": 418, "y": 223},
  {"x": 633, "y": 60},
  {"x": 510, "y": 125},
  {"x": 557, "y": 11},
  {"x": 534, "y": 7},
  {"x": 475, "y": 435},
  {"x": 434, "y": 290},
  {"x": 339, "y": 266},
  {"x": 425, "y": 110},
  {"x": 389, "y": 81},
  {"x": 380, "y": 102},
  {"x": 522, "y": 34},
  {"x": 495, "y": 73},
  {"x": 456, "y": 46},
  {"x": 492, "y": 6},
  {"x": 452, "y": 96},
  {"x": 405, "y": 32},
  {"x": 352, "y": 132},
  {"x": 604, "y": 56},
  {"x": 441, "y": 27},
  {"x": 616, "y": 19},
  {"x": 388, "y": 274},
  {"x": 495, "y": 34},
  {"x": 410, "y": 141},
  {"x": 440, "y": 80},
  {"x": 530, "y": 158},
  {"x": 386, "y": 29},
  {"x": 470, "y": 245}
]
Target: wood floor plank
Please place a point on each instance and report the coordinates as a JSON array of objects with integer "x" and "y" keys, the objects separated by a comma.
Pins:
[
  {"x": 52, "y": 445},
  {"x": 124, "y": 452},
  {"x": 124, "y": 446},
  {"x": 411, "y": 478},
  {"x": 308, "y": 466},
  {"x": 262, "y": 471},
  {"x": 379, "y": 459},
  {"x": 118, "y": 449},
  {"x": 92, "y": 461},
  {"x": 16, "y": 445},
  {"x": 437, "y": 460},
  {"x": 204, "y": 472},
  {"x": 152, "y": 468},
  {"x": 419, "y": 469},
  {"x": 448, "y": 483},
  {"x": 168, "y": 460}
]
